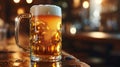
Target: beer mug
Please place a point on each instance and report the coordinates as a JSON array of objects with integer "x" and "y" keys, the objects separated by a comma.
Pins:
[{"x": 45, "y": 33}]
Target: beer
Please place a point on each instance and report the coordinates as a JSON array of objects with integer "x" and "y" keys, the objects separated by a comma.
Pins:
[
  {"x": 46, "y": 64},
  {"x": 45, "y": 35}
]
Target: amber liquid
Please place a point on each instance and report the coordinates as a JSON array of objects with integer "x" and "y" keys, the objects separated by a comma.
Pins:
[
  {"x": 45, "y": 35},
  {"x": 46, "y": 64}
]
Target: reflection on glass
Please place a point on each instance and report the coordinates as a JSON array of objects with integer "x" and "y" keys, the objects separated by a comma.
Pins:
[
  {"x": 46, "y": 64},
  {"x": 19, "y": 59}
]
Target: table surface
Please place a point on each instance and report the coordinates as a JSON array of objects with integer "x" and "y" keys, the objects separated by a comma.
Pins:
[
  {"x": 13, "y": 56},
  {"x": 96, "y": 36}
]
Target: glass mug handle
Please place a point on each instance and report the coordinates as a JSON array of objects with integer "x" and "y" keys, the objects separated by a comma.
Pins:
[{"x": 17, "y": 24}]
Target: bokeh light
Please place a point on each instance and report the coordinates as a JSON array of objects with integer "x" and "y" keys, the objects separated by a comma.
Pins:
[
  {"x": 98, "y": 35},
  {"x": 76, "y": 3},
  {"x": 85, "y": 4},
  {"x": 98, "y": 1},
  {"x": 20, "y": 11},
  {"x": 73, "y": 30},
  {"x": 16, "y": 1},
  {"x": 29, "y": 1}
]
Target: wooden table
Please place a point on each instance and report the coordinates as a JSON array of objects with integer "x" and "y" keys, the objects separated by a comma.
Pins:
[{"x": 12, "y": 56}]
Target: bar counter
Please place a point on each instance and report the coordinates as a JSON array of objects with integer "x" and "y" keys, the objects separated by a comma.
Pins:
[{"x": 12, "y": 56}]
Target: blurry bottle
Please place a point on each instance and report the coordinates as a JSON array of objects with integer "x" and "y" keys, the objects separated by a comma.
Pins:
[{"x": 3, "y": 34}]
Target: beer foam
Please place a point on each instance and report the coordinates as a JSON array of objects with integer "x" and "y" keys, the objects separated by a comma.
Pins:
[{"x": 45, "y": 10}]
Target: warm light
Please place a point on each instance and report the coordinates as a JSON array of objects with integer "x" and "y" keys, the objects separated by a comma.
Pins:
[
  {"x": 56, "y": 64},
  {"x": 98, "y": 1},
  {"x": 98, "y": 35},
  {"x": 16, "y": 19},
  {"x": 29, "y": 1},
  {"x": 53, "y": 65},
  {"x": 16, "y": 1},
  {"x": 85, "y": 4},
  {"x": 76, "y": 3},
  {"x": 16, "y": 64},
  {"x": 20, "y": 11},
  {"x": 73, "y": 30},
  {"x": 96, "y": 13},
  {"x": 58, "y": 48},
  {"x": 1, "y": 22}
]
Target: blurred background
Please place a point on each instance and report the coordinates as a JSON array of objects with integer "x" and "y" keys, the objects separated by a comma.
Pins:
[{"x": 91, "y": 28}]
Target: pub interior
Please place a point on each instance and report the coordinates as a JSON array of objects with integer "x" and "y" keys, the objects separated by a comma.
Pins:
[{"x": 90, "y": 28}]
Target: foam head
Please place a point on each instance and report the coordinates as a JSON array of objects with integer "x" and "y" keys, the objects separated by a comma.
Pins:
[{"x": 45, "y": 10}]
